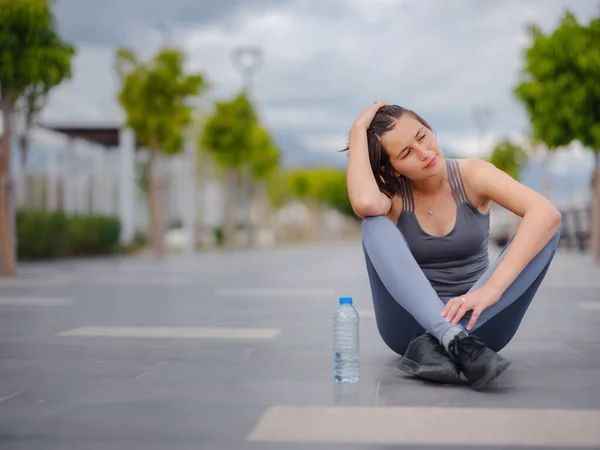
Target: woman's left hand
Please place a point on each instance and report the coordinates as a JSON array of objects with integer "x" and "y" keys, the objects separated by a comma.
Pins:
[{"x": 477, "y": 300}]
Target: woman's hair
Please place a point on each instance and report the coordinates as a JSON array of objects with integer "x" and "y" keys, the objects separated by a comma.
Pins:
[{"x": 384, "y": 120}]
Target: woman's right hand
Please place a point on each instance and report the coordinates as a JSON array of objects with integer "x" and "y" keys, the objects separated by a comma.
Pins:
[{"x": 364, "y": 119}]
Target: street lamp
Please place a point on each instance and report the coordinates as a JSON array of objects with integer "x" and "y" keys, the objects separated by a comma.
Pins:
[{"x": 247, "y": 59}]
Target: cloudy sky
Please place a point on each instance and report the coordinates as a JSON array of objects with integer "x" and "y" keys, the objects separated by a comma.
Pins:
[{"x": 324, "y": 60}]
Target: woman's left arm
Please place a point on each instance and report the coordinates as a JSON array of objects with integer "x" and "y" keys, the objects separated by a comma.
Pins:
[{"x": 540, "y": 219}]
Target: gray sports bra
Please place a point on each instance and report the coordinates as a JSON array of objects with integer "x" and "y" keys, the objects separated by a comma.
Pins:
[{"x": 452, "y": 263}]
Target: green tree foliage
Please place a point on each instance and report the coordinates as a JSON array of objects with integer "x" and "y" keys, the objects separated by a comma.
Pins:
[
  {"x": 265, "y": 155},
  {"x": 321, "y": 186},
  {"x": 154, "y": 95},
  {"x": 236, "y": 140},
  {"x": 55, "y": 67},
  {"x": 560, "y": 90},
  {"x": 228, "y": 133},
  {"x": 559, "y": 86},
  {"x": 33, "y": 58},
  {"x": 332, "y": 190},
  {"x": 508, "y": 157}
]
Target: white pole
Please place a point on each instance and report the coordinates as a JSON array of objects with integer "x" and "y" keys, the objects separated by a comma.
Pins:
[
  {"x": 53, "y": 174},
  {"x": 127, "y": 185},
  {"x": 98, "y": 206},
  {"x": 67, "y": 177},
  {"x": 189, "y": 193}
]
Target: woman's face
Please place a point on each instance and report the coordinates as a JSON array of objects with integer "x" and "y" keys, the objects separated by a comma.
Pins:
[{"x": 413, "y": 149}]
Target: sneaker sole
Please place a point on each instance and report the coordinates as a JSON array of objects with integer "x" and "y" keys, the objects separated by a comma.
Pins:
[
  {"x": 485, "y": 380},
  {"x": 432, "y": 373}
]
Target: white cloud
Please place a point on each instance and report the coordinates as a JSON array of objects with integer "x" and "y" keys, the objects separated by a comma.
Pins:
[
  {"x": 325, "y": 61},
  {"x": 325, "y": 143},
  {"x": 91, "y": 95}
]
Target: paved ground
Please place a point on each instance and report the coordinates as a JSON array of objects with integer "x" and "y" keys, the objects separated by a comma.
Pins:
[{"x": 234, "y": 351}]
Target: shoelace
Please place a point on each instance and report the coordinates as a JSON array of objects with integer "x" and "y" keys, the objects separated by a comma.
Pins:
[
  {"x": 437, "y": 346},
  {"x": 470, "y": 346},
  {"x": 440, "y": 348}
]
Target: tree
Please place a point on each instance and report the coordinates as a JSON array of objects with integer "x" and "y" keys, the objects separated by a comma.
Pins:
[
  {"x": 508, "y": 157},
  {"x": 229, "y": 136},
  {"x": 154, "y": 95},
  {"x": 29, "y": 48},
  {"x": 264, "y": 163},
  {"x": 265, "y": 156},
  {"x": 315, "y": 188},
  {"x": 561, "y": 94},
  {"x": 321, "y": 186},
  {"x": 244, "y": 151},
  {"x": 55, "y": 67},
  {"x": 331, "y": 189}
]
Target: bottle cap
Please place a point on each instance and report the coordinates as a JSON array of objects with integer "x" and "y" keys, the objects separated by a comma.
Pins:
[{"x": 345, "y": 300}]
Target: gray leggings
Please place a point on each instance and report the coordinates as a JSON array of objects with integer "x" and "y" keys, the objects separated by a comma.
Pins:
[{"x": 406, "y": 304}]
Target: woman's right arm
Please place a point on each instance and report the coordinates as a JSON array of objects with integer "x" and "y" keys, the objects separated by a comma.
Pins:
[{"x": 364, "y": 194}]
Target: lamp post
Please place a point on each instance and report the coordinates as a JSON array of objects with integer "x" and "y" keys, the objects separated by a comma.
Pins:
[{"x": 247, "y": 60}]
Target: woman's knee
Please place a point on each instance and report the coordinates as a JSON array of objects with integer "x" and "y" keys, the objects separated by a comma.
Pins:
[
  {"x": 373, "y": 222},
  {"x": 555, "y": 240},
  {"x": 396, "y": 327},
  {"x": 377, "y": 227},
  {"x": 396, "y": 342}
]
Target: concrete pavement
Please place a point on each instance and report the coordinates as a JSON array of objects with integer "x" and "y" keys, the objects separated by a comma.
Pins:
[{"x": 231, "y": 351}]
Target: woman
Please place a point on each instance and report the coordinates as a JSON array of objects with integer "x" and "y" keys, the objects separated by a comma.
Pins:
[{"x": 425, "y": 232}]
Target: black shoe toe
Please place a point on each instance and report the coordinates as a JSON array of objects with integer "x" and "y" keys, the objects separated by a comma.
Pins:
[
  {"x": 426, "y": 358},
  {"x": 480, "y": 364}
]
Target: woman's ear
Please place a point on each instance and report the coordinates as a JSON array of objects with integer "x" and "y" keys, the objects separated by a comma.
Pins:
[{"x": 389, "y": 171}]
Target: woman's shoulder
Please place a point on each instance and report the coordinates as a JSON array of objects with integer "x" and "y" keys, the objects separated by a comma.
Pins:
[
  {"x": 468, "y": 165},
  {"x": 484, "y": 179},
  {"x": 473, "y": 169},
  {"x": 475, "y": 175}
]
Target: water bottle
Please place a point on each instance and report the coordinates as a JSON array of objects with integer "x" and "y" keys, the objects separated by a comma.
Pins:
[{"x": 346, "y": 363}]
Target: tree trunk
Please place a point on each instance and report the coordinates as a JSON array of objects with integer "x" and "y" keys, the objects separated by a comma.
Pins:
[
  {"x": 7, "y": 249},
  {"x": 260, "y": 206},
  {"x": 24, "y": 147},
  {"x": 248, "y": 190},
  {"x": 155, "y": 207},
  {"x": 229, "y": 230},
  {"x": 595, "y": 226}
]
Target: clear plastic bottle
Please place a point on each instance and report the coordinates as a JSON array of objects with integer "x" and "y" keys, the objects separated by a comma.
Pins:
[{"x": 346, "y": 342}]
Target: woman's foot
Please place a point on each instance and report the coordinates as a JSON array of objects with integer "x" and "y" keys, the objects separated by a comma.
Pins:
[
  {"x": 480, "y": 364},
  {"x": 426, "y": 358}
]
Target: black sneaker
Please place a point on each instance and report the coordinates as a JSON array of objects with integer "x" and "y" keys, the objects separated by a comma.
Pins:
[
  {"x": 477, "y": 361},
  {"x": 425, "y": 357}
]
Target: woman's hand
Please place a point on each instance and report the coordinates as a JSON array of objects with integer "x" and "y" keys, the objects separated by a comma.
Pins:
[
  {"x": 477, "y": 300},
  {"x": 364, "y": 119}
]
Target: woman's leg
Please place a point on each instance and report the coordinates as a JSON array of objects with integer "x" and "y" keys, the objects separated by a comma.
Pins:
[
  {"x": 498, "y": 324},
  {"x": 405, "y": 302},
  {"x": 396, "y": 326}
]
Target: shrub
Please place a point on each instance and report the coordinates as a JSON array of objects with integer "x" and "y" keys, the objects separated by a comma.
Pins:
[{"x": 43, "y": 235}]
